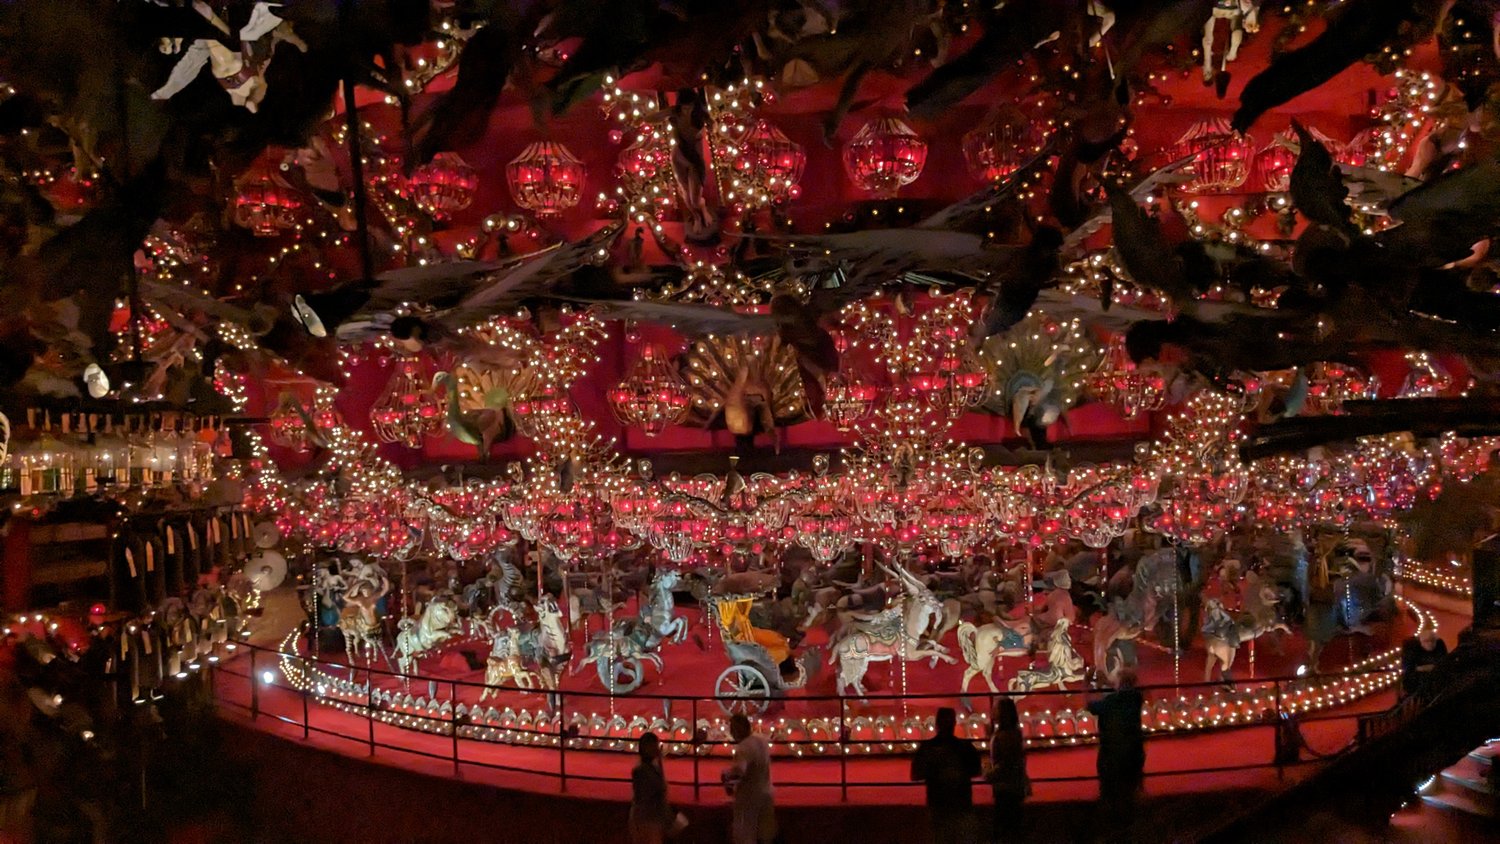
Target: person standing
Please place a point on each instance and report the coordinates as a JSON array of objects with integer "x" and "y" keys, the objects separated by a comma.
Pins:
[
  {"x": 650, "y": 814},
  {"x": 948, "y": 765},
  {"x": 753, "y": 819},
  {"x": 1009, "y": 784},
  {"x": 1420, "y": 656},
  {"x": 1122, "y": 749}
]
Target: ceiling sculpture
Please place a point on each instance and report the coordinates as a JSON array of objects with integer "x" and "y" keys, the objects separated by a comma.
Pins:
[{"x": 954, "y": 246}]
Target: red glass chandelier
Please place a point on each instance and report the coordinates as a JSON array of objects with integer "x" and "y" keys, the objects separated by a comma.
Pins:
[
  {"x": 1118, "y": 381},
  {"x": 442, "y": 186},
  {"x": 651, "y": 397},
  {"x": 773, "y": 160},
  {"x": 1221, "y": 156},
  {"x": 546, "y": 178},
  {"x": 264, "y": 203},
  {"x": 1330, "y": 384},
  {"x": 885, "y": 156},
  {"x": 408, "y": 409},
  {"x": 847, "y": 398},
  {"x": 998, "y": 148}
]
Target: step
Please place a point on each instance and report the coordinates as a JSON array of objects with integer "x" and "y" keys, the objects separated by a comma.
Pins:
[
  {"x": 1469, "y": 768},
  {"x": 1453, "y": 780},
  {"x": 1461, "y": 801}
]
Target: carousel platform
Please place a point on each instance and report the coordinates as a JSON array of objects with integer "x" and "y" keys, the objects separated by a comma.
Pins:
[{"x": 1223, "y": 757}]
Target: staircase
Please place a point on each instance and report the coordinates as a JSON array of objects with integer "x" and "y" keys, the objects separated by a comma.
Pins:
[{"x": 1466, "y": 787}]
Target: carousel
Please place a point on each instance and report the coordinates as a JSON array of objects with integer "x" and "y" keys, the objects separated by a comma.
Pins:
[{"x": 559, "y": 385}]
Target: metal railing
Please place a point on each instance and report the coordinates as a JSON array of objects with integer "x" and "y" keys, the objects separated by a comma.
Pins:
[{"x": 461, "y": 730}]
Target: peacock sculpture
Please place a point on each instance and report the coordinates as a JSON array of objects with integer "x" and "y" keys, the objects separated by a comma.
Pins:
[
  {"x": 751, "y": 384},
  {"x": 1037, "y": 368}
]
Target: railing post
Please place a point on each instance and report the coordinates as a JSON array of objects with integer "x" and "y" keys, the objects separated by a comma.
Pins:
[
  {"x": 453, "y": 722},
  {"x": 1278, "y": 733},
  {"x": 562, "y": 740},
  {"x": 697, "y": 780},
  {"x": 370, "y": 708},
  {"x": 254, "y": 687},
  {"x": 306, "y": 726},
  {"x": 843, "y": 750}
]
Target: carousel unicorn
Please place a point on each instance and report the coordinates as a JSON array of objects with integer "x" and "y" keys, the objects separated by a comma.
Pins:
[{"x": 904, "y": 631}]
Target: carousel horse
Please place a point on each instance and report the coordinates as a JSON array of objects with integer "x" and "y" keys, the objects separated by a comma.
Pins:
[
  {"x": 1224, "y": 632},
  {"x": 659, "y": 612},
  {"x": 359, "y": 621},
  {"x": 982, "y": 646},
  {"x": 504, "y": 664},
  {"x": 1064, "y": 665},
  {"x": 550, "y": 648},
  {"x": 903, "y": 631},
  {"x": 418, "y": 636},
  {"x": 1153, "y": 580}
]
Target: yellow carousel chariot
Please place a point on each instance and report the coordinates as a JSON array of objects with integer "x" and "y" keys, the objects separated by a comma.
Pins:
[{"x": 762, "y": 667}]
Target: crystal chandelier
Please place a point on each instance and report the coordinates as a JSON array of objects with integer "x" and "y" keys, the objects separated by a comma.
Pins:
[
  {"x": 264, "y": 203},
  {"x": 409, "y": 409},
  {"x": 885, "y": 156},
  {"x": 546, "y": 178},
  {"x": 651, "y": 397},
  {"x": 1330, "y": 384},
  {"x": 770, "y": 159},
  {"x": 1118, "y": 381},
  {"x": 1426, "y": 379},
  {"x": 956, "y": 383},
  {"x": 442, "y": 186},
  {"x": 847, "y": 398},
  {"x": 998, "y": 148},
  {"x": 824, "y": 525},
  {"x": 1221, "y": 156}
]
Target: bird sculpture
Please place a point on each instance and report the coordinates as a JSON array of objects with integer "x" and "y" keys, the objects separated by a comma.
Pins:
[{"x": 481, "y": 427}]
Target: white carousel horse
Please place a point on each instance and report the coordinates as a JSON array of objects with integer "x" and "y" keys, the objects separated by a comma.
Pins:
[
  {"x": 982, "y": 646},
  {"x": 903, "y": 631},
  {"x": 660, "y": 611},
  {"x": 1064, "y": 665},
  {"x": 416, "y": 637},
  {"x": 1223, "y": 633},
  {"x": 552, "y": 650},
  {"x": 504, "y": 663}
]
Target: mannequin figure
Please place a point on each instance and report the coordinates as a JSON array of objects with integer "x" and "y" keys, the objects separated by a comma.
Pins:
[{"x": 1243, "y": 16}]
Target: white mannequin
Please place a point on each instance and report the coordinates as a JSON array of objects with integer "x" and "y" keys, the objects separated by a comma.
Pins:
[{"x": 1243, "y": 16}]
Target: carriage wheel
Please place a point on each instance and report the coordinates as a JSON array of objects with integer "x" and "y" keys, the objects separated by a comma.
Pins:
[
  {"x": 621, "y": 676},
  {"x": 742, "y": 690}
]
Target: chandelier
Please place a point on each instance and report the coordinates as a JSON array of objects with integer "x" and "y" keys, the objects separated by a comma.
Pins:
[
  {"x": 1118, "y": 381},
  {"x": 1000, "y": 147},
  {"x": 1330, "y": 384},
  {"x": 1426, "y": 379},
  {"x": 443, "y": 185},
  {"x": 847, "y": 398},
  {"x": 264, "y": 203},
  {"x": 770, "y": 159},
  {"x": 651, "y": 397},
  {"x": 824, "y": 525},
  {"x": 546, "y": 178},
  {"x": 885, "y": 156},
  {"x": 409, "y": 409},
  {"x": 954, "y": 384},
  {"x": 293, "y": 425},
  {"x": 1221, "y": 156}
]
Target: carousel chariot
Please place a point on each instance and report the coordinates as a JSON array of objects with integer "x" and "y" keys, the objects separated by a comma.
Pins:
[{"x": 762, "y": 664}]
